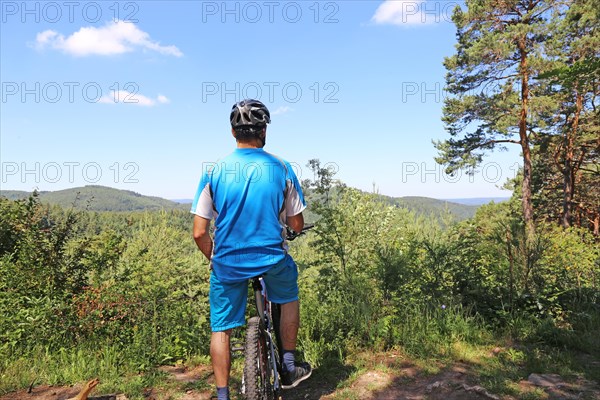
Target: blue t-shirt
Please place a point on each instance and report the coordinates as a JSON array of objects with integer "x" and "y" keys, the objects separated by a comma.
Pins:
[{"x": 249, "y": 193}]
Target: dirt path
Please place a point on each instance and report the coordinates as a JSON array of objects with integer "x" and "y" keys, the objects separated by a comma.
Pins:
[
  {"x": 405, "y": 382},
  {"x": 385, "y": 376}
]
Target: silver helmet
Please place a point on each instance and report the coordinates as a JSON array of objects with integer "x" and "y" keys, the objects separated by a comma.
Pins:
[{"x": 249, "y": 112}]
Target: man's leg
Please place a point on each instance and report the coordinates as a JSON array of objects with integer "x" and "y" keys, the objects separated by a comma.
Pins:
[
  {"x": 282, "y": 288},
  {"x": 227, "y": 307},
  {"x": 293, "y": 373},
  {"x": 289, "y": 324},
  {"x": 221, "y": 357}
]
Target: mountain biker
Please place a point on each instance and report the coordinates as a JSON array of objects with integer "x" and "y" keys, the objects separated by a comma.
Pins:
[{"x": 251, "y": 195}]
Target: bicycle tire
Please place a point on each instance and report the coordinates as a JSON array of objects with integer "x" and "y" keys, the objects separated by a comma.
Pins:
[
  {"x": 257, "y": 372},
  {"x": 275, "y": 320}
]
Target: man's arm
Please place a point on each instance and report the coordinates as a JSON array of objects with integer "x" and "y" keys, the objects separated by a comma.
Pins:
[
  {"x": 296, "y": 222},
  {"x": 294, "y": 201},
  {"x": 202, "y": 237}
]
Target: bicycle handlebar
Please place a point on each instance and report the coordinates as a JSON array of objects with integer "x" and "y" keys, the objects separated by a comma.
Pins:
[{"x": 292, "y": 234}]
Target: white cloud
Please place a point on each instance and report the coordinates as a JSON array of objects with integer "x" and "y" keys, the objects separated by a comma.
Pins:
[
  {"x": 125, "y": 97},
  {"x": 407, "y": 12},
  {"x": 115, "y": 37},
  {"x": 43, "y": 38},
  {"x": 282, "y": 110}
]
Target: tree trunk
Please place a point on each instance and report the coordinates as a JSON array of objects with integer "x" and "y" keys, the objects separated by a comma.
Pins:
[
  {"x": 527, "y": 168},
  {"x": 570, "y": 169},
  {"x": 567, "y": 184},
  {"x": 510, "y": 269}
]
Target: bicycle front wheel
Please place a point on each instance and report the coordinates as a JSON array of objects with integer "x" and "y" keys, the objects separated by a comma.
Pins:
[{"x": 258, "y": 374}]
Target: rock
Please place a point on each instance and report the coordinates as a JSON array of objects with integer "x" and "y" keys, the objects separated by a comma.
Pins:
[
  {"x": 546, "y": 380},
  {"x": 480, "y": 390},
  {"x": 434, "y": 385}
]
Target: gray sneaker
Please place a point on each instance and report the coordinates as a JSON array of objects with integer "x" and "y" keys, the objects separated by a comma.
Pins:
[{"x": 292, "y": 379}]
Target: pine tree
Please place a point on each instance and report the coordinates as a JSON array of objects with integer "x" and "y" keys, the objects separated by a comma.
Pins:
[
  {"x": 573, "y": 141},
  {"x": 495, "y": 99}
]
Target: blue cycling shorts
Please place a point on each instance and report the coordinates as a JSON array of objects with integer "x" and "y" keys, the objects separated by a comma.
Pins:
[{"x": 228, "y": 299}]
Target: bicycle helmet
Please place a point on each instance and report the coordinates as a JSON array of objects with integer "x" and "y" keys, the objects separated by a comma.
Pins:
[{"x": 249, "y": 112}]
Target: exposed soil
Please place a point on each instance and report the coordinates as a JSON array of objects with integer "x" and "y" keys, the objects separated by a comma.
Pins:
[
  {"x": 405, "y": 382},
  {"x": 391, "y": 377},
  {"x": 44, "y": 393}
]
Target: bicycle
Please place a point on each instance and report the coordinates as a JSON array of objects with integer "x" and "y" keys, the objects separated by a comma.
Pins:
[{"x": 261, "y": 379}]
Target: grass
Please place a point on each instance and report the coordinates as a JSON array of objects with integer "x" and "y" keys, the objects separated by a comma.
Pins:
[
  {"x": 434, "y": 341},
  {"x": 501, "y": 373},
  {"x": 431, "y": 344},
  {"x": 71, "y": 366}
]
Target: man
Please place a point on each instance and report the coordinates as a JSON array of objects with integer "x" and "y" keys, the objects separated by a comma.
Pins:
[{"x": 251, "y": 195}]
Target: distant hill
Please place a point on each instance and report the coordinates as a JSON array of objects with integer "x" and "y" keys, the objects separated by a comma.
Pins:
[
  {"x": 14, "y": 194},
  {"x": 427, "y": 206},
  {"x": 478, "y": 201},
  {"x": 418, "y": 205},
  {"x": 99, "y": 198},
  {"x": 183, "y": 201},
  {"x": 102, "y": 198}
]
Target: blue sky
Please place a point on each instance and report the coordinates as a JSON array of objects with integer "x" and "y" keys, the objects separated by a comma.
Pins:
[{"x": 136, "y": 95}]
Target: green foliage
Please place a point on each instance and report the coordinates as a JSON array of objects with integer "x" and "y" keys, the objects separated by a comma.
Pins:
[
  {"x": 569, "y": 267},
  {"x": 37, "y": 274},
  {"x": 383, "y": 277},
  {"x": 527, "y": 72},
  {"x": 380, "y": 279},
  {"x": 123, "y": 293},
  {"x": 499, "y": 49},
  {"x": 503, "y": 275},
  {"x": 566, "y": 155},
  {"x": 87, "y": 282}
]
